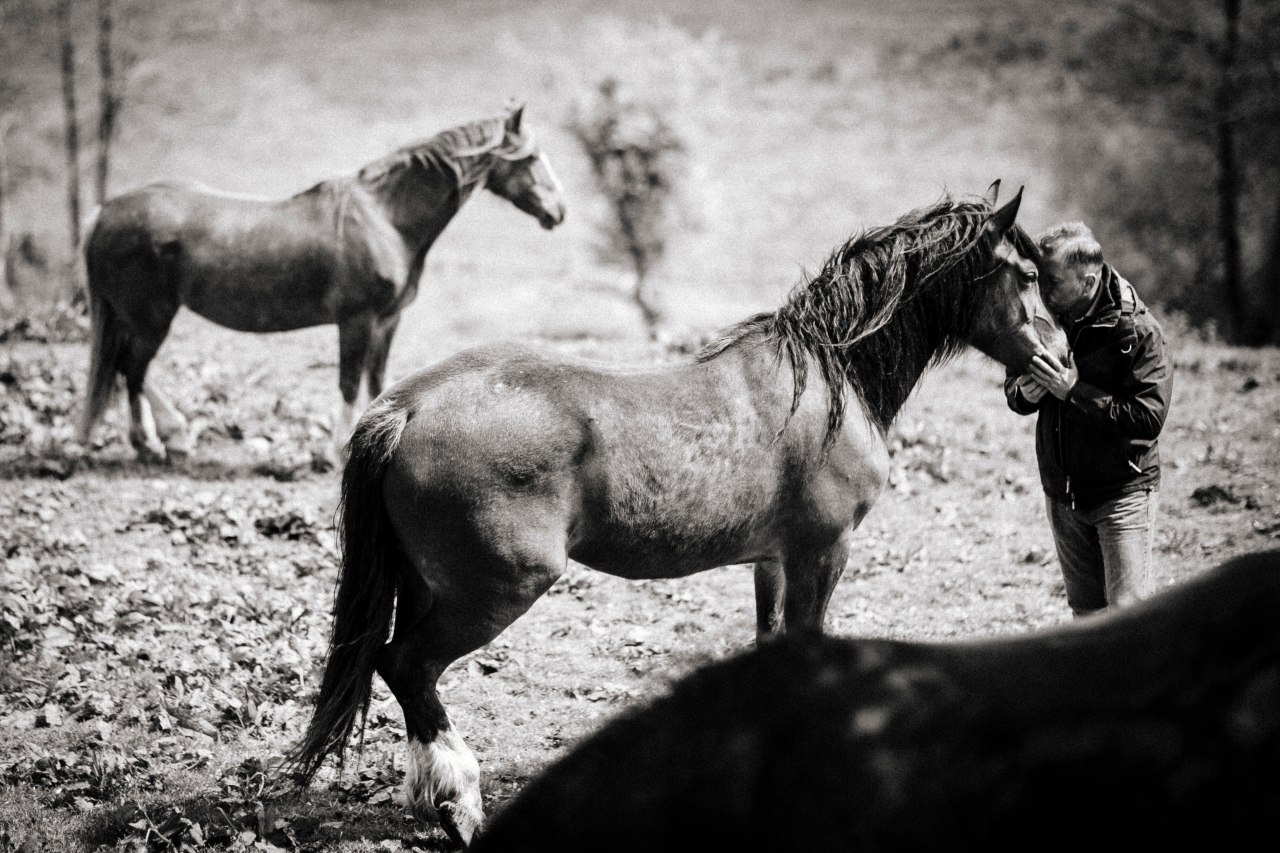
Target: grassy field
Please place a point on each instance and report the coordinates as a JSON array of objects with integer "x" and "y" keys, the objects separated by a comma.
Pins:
[{"x": 161, "y": 628}]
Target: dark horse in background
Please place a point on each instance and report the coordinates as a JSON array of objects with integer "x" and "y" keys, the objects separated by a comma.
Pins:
[
  {"x": 469, "y": 485},
  {"x": 348, "y": 251},
  {"x": 1151, "y": 727}
]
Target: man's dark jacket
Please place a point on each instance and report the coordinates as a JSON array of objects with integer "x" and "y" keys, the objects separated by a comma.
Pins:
[{"x": 1100, "y": 443}]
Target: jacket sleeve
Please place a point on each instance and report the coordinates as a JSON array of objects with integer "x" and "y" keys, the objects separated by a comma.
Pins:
[
  {"x": 1140, "y": 412},
  {"x": 1015, "y": 398}
]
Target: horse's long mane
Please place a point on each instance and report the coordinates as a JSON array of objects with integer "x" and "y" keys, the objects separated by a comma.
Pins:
[
  {"x": 465, "y": 151},
  {"x": 885, "y": 305}
]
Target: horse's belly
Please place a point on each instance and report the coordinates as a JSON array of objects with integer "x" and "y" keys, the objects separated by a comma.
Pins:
[
  {"x": 673, "y": 535},
  {"x": 260, "y": 314},
  {"x": 260, "y": 299}
]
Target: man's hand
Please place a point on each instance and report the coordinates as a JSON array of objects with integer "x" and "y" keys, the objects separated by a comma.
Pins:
[
  {"x": 1031, "y": 388},
  {"x": 1056, "y": 377}
]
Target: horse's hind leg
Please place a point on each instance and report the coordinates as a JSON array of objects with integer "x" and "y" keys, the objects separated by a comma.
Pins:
[
  {"x": 143, "y": 434},
  {"x": 171, "y": 424},
  {"x": 142, "y": 430},
  {"x": 479, "y": 596},
  {"x": 442, "y": 774}
]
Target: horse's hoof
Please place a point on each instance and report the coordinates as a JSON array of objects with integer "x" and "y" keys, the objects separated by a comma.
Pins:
[
  {"x": 178, "y": 453},
  {"x": 458, "y": 822},
  {"x": 148, "y": 455},
  {"x": 424, "y": 811}
]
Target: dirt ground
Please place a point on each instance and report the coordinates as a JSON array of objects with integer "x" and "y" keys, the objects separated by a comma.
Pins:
[{"x": 162, "y": 627}]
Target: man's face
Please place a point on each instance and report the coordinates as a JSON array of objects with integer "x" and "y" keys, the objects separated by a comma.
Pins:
[{"x": 1070, "y": 287}]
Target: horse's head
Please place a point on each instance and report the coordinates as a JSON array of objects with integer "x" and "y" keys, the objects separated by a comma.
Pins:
[
  {"x": 1014, "y": 324},
  {"x": 521, "y": 174}
]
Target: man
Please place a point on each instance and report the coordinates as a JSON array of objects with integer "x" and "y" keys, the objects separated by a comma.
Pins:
[{"x": 1100, "y": 417}]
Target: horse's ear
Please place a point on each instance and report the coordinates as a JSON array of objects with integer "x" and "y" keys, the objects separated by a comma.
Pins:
[
  {"x": 514, "y": 117},
  {"x": 1002, "y": 220},
  {"x": 993, "y": 192}
]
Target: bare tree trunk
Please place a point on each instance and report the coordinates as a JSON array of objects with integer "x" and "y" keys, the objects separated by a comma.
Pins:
[
  {"x": 72, "y": 131},
  {"x": 640, "y": 262},
  {"x": 640, "y": 295},
  {"x": 109, "y": 103},
  {"x": 6, "y": 290},
  {"x": 1229, "y": 175},
  {"x": 1266, "y": 329}
]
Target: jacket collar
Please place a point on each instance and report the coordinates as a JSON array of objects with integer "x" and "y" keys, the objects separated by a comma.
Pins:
[{"x": 1109, "y": 303}]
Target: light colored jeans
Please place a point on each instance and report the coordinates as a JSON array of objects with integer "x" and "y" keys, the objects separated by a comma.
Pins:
[{"x": 1105, "y": 552}]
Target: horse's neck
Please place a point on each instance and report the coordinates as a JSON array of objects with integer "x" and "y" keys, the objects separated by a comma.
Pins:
[
  {"x": 885, "y": 373},
  {"x": 419, "y": 202}
]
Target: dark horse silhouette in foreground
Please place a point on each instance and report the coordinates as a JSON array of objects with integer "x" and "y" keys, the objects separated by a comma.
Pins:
[
  {"x": 469, "y": 485},
  {"x": 1154, "y": 727},
  {"x": 348, "y": 251}
]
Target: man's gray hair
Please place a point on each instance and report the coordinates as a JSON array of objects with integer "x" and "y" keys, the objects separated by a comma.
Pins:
[{"x": 1071, "y": 242}]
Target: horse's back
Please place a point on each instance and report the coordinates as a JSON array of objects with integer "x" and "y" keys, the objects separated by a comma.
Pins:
[
  {"x": 159, "y": 216},
  {"x": 247, "y": 263}
]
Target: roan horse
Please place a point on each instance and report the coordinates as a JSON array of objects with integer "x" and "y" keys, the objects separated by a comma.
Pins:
[
  {"x": 1155, "y": 726},
  {"x": 349, "y": 251},
  {"x": 470, "y": 484}
]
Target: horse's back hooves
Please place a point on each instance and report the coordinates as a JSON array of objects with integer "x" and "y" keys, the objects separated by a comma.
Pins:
[{"x": 460, "y": 826}]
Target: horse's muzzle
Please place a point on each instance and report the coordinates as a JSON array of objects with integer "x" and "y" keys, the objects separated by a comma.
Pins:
[{"x": 549, "y": 219}]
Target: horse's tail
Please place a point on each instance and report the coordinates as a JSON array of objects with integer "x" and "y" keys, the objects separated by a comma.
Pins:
[
  {"x": 107, "y": 342},
  {"x": 365, "y": 598},
  {"x": 80, "y": 271}
]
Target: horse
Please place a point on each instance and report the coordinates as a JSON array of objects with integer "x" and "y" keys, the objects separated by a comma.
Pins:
[
  {"x": 1155, "y": 725},
  {"x": 469, "y": 485},
  {"x": 348, "y": 251}
]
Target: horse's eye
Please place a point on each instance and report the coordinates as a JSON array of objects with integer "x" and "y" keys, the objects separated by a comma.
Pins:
[{"x": 1030, "y": 275}]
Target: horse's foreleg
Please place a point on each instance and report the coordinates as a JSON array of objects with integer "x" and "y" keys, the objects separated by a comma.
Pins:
[
  {"x": 170, "y": 424},
  {"x": 353, "y": 352},
  {"x": 811, "y": 577},
  {"x": 771, "y": 587}
]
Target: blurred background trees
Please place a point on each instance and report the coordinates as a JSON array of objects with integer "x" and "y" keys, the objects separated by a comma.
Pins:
[
  {"x": 636, "y": 160},
  {"x": 746, "y": 139},
  {"x": 31, "y": 29},
  {"x": 1169, "y": 140}
]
